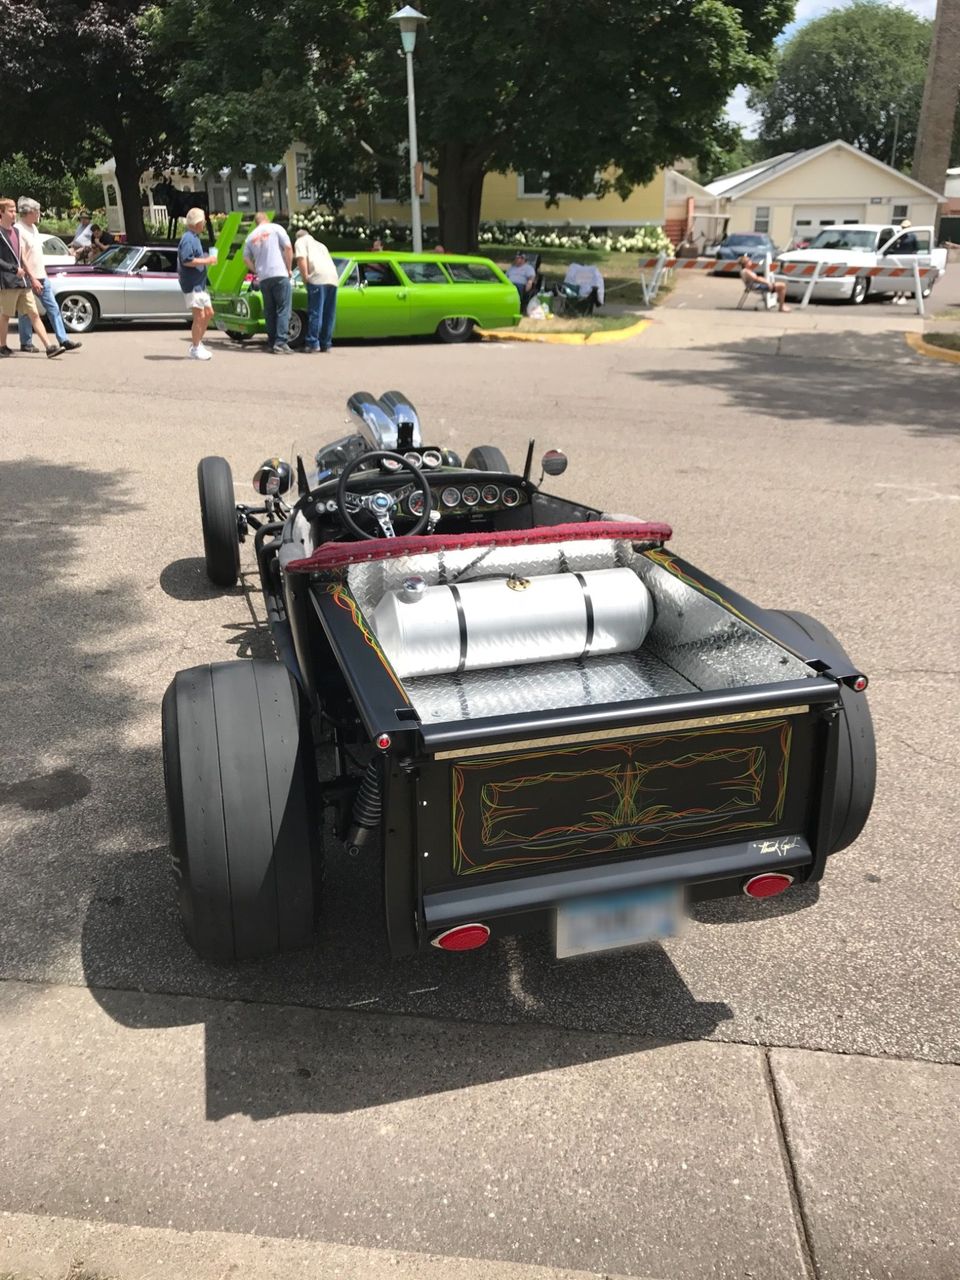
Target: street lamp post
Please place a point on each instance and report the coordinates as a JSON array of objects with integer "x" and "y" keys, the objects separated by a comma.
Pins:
[{"x": 408, "y": 19}]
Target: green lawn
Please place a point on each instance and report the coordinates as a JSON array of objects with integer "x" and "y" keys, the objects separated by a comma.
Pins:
[
  {"x": 574, "y": 324},
  {"x": 951, "y": 341}
]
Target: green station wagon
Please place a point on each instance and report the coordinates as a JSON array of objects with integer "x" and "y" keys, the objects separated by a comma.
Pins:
[{"x": 390, "y": 295}]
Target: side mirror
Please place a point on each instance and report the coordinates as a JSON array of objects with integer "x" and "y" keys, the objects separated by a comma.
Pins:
[
  {"x": 553, "y": 463},
  {"x": 273, "y": 477}
]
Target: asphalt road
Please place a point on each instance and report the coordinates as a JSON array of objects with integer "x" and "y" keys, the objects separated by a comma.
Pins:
[{"x": 811, "y": 481}]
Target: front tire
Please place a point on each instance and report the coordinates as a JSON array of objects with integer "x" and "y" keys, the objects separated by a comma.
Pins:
[
  {"x": 861, "y": 287},
  {"x": 297, "y": 329},
  {"x": 218, "y": 514},
  {"x": 487, "y": 457},
  {"x": 244, "y": 841},
  {"x": 79, "y": 312},
  {"x": 857, "y": 757},
  {"x": 455, "y": 329}
]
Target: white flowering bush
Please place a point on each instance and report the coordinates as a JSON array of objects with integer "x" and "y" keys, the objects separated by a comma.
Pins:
[{"x": 610, "y": 240}]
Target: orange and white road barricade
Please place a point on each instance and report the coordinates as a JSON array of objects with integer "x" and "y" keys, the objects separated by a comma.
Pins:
[{"x": 915, "y": 277}]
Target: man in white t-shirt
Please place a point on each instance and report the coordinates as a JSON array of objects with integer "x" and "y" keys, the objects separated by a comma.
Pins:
[
  {"x": 319, "y": 272},
  {"x": 82, "y": 243},
  {"x": 268, "y": 253},
  {"x": 524, "y": 277}
]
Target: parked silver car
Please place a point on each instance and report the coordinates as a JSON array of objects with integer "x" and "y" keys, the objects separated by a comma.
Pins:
[{"x": 127, "y": 282}]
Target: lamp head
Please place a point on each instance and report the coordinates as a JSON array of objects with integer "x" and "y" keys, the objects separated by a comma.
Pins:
[{"x": 408, "y": 20}]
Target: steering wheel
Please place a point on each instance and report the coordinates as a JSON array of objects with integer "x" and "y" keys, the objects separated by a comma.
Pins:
[{"x": 379, "y": 504}]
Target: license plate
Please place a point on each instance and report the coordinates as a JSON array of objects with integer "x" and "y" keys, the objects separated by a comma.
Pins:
[
  {"x": 220, "y": 324},
  {"x": 616, "y": 920}
]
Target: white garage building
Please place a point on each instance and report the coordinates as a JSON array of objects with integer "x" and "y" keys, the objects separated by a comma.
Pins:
[{"x": 794, "y": 194}]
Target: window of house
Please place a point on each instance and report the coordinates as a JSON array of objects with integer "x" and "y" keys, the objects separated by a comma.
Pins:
[
  {"x": 761, "y": 219},
  {"x": 111, "y": 195},
  {"x": 388, "y": 184},
  {"x": 243, "y": 195},
  {"x": 532, "y": 184},
  {"x": 900, "y": 211},
  {"x": 306, "y": 191},
  {"x": 804, "y": 222}
]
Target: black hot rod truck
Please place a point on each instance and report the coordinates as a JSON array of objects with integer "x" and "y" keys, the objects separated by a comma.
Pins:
[{"x": 531, "y": 713}]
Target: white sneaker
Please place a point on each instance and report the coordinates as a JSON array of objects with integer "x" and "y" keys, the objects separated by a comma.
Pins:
[{"x": 200, "y": 353}]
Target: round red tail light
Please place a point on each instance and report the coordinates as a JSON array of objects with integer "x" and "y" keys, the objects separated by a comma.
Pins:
[
  {"x": 463, "y": 937},
  {"x": 767, "y": 885}
]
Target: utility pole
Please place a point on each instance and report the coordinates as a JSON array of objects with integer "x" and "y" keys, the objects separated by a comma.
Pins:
[{"x": 940, "y": 92}]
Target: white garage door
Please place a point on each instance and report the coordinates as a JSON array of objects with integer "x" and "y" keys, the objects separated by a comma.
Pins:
[{"x": 809, "y": 219}]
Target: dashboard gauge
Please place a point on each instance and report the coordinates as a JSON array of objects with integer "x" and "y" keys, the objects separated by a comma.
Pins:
[
  {"x": 413, "y": 457},
  {"x": 510, "y": 497},
  {"x": 389, "y": 464},
  {"x": 432, "y": 457},
  {"x": 450, "y": 496},
  {"x": 471, "y": 495},
  {"x": 490, "y": 494},
  {"x": 415, "y": 504}
]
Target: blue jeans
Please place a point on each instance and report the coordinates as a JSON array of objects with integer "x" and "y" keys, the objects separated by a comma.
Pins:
[
  {"x": 277, "y": 293},
  {"x": 53, "y": 316},
  {"x": 321, "y": 313}
]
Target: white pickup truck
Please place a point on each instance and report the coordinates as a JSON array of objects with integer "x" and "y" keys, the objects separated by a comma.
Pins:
[{"x": 866, "y": 245}]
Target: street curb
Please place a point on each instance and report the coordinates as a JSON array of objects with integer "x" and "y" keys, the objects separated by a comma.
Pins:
[
  {"x": 915, "y": 341},
  {"x": 567, "y": 339},
  {"x": 47, "y": 1248}
]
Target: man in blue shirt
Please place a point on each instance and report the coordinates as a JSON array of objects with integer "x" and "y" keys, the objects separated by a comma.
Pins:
[{"x": 192, "y": 265}]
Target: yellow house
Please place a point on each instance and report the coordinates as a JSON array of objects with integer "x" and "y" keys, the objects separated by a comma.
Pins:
[
  {"x": 510, "y": 197},
  {"x": 791, "y": 195},
  {"x": 671, "y": 200}
]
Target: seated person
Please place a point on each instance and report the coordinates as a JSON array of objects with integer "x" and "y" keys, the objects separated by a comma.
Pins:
[
  {"x": 521, "y": 274},
  {"x": 753, "y": 280},
  {"x": 584, "y": 278},
  {"x": 101, "y": 239},
  {"x": 81, "y": 244}
]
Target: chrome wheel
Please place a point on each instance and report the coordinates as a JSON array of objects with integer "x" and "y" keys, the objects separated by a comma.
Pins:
[
  {"x": 455, "y": 329},
  {"x": 78, "y": 311},
  {"x": 296, "y": 330}
]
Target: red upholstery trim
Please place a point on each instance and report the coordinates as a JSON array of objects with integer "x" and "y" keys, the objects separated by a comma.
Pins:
[{"x": 334, "y": 555}]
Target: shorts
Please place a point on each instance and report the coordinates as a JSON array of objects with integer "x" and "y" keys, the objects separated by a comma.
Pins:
[
  {"x": 198, "y": 298},
  {"x": 18, "y": 302}
]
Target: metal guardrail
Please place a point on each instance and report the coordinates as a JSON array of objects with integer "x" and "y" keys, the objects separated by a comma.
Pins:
[{"x": 913, "y": 274}]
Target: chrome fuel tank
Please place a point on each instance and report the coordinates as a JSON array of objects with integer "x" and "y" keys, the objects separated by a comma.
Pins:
[{"x": 499, "y": 622}]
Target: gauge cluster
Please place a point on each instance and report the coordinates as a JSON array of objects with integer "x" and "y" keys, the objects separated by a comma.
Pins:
[{"x": 469, "y": 497}]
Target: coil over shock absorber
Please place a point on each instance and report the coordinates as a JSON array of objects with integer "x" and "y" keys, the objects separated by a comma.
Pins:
[{"x": 367, "y": 808}]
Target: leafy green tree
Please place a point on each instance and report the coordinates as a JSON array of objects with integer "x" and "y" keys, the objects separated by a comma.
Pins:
[
  {"x": 855, "y": 74},
  {"x": 18, "y": 177},
  {"x": 84, "y": 81},
  {"x": 596, "y": 94}
]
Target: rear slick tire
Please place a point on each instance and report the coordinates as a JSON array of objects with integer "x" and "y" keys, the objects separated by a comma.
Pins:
[
  {"x": 243, "y": 836},
  {"x": 857, "y": 754},
  {"x": 218, "y": 515}
]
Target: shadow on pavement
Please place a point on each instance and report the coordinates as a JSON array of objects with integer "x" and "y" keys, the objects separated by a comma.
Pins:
[
  {"x": 65, "y": 768},
  {"x": 846, "y": 377},
  {"x": 274, "y": 1052}
]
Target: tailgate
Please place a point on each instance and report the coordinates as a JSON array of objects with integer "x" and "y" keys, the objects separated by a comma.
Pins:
[{"x": 529, "y": 824}]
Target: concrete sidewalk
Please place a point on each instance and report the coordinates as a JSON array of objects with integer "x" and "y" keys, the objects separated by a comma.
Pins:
[{"x": 523, "y": 1147}]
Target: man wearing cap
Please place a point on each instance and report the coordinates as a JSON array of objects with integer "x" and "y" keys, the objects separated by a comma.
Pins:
[
  {"x": 31, "y": 244},
  {"x": 17, "y": 286},
  {"x": 906, "y": 244},
  {"x": 523, "y": 276}
]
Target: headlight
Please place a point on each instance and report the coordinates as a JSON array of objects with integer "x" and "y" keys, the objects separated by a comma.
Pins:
[{"x": 242, "y": 308}]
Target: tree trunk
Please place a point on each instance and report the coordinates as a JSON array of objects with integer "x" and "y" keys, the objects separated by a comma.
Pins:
[
  {"x": 460, "y": 174},
  {"x": 128, "y": 189},
  {"x": 935, "y": 131}
]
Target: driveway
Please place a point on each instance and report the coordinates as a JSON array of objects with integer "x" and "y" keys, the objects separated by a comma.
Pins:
[{"x": 773, "y": 1093}]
